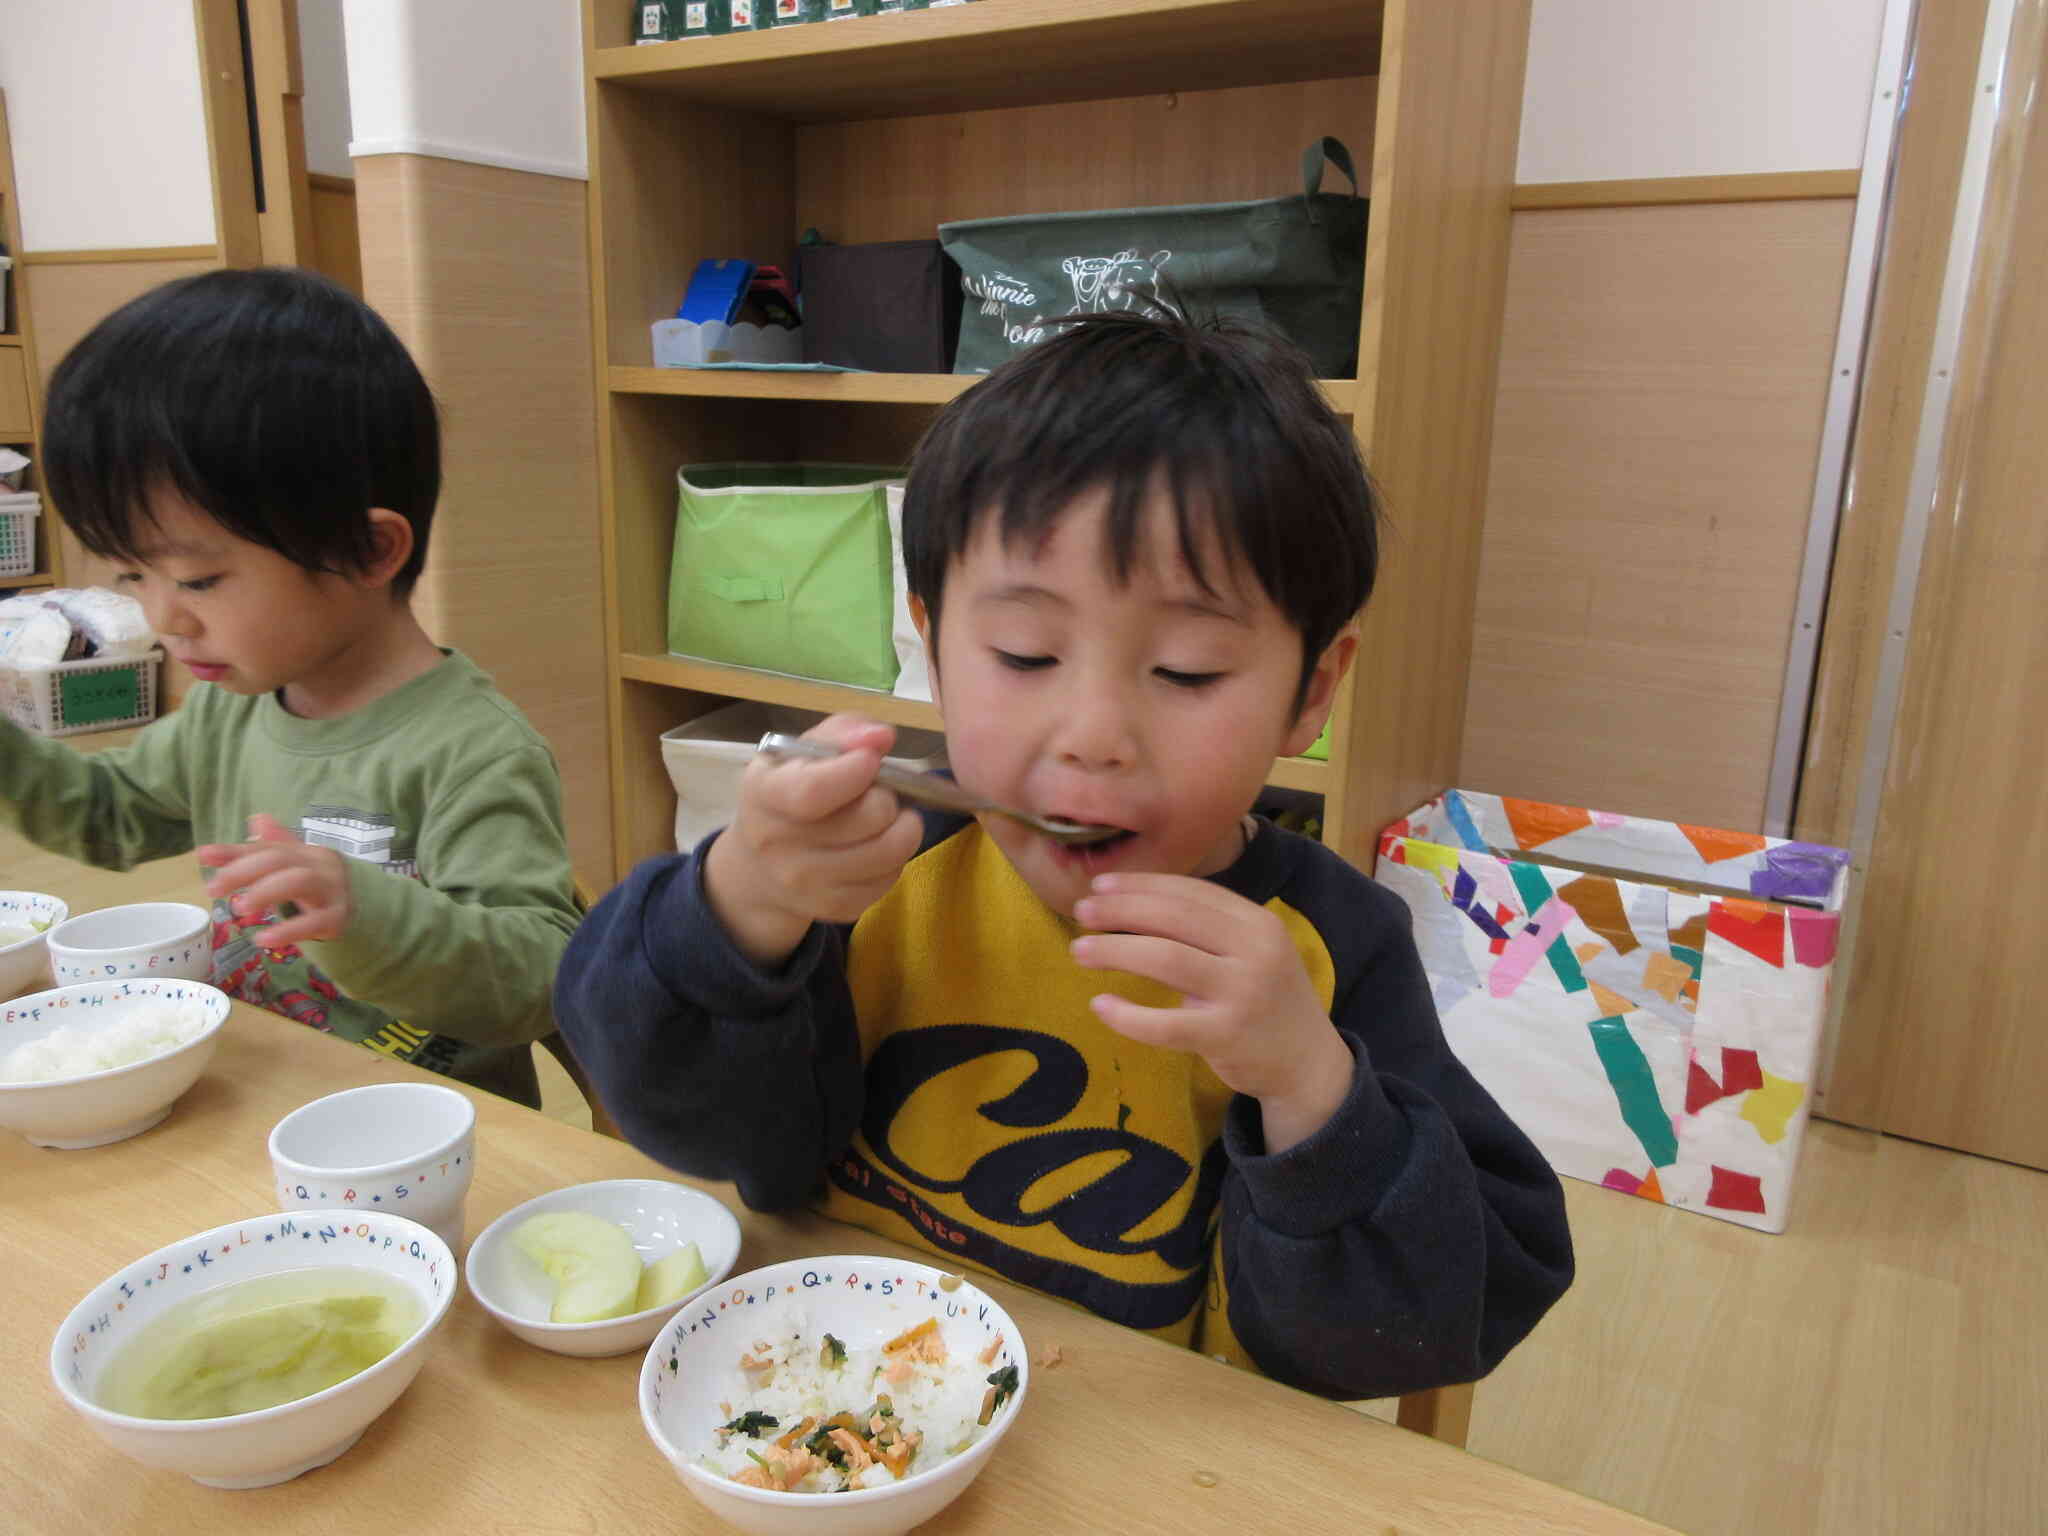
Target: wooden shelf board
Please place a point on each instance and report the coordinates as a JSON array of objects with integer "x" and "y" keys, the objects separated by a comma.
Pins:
[
  {"x": 844, "y": 388},
  {"x": 828, "y": 698},
  {"x": 775, "y": 688},
  {"x": 39, "y": 579},
  {"x": 736, "y": 384},
  {"x": 1307, "y": 773},
  {"x": 1003, "y": 53}
]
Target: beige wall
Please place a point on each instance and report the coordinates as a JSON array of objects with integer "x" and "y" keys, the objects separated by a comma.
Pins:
[{"x": 483, "y": 272}]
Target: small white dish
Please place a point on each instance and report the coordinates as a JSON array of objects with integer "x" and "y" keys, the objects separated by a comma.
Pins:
[
  {"x": 270, "y": 1445},
  {"x": 661, "y": 1216},
  {"x": 25, "y": 962},
  {"x": 95, "y": 1108},
  {"x": 405, "y": 1148},
  {"x": 142, "y": 939},
  {"x": 691, "y": 1382}
]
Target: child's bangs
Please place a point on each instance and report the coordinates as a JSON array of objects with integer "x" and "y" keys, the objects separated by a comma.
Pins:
[
  {"x": 111, "y": 513},
  {"x": 1196, "y": 482}
]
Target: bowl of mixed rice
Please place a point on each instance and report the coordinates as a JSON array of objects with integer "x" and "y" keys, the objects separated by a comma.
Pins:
[
  {"x": 102, "y": 1061},
  {"x": 836, "y": 1396}
]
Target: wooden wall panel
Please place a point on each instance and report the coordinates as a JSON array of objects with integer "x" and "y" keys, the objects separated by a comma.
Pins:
[
  {"x": 483, "y": 272},
  {"x": 1942, "y": 994},
  {"x": 897, "y": 178},
  {"x": 337, "y": 239},
  {"x": 1663, "y": 380}
]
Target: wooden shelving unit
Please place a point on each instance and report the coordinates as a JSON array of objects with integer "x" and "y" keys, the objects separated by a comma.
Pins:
[
  {"x": 20, "y": 381},
  {"x": 881, "y": 128}
]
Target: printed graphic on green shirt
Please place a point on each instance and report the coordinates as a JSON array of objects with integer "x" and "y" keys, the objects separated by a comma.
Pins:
[
  {"x": 284, "y": 980},
  {"x": 367, "y": 835}
]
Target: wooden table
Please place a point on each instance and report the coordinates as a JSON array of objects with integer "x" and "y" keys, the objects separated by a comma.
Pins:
[{"x": 497, "y": 1437}]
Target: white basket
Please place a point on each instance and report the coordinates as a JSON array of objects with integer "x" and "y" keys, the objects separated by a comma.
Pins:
[
  {"x": 706, "y": 757},
  {"x": 101, "y": 693},
  {"x": 18, "y": 542}
]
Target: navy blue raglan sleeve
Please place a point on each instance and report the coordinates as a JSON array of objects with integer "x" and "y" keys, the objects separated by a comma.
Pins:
[
  {"x": 1419, "y": 1235},
  {"x": 708, "y": 1063}
]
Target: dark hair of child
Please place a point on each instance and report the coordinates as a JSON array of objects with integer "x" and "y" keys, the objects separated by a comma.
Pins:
[
  {"x": 1227, "y": 419},
  {"x": 271, "y": 399}
]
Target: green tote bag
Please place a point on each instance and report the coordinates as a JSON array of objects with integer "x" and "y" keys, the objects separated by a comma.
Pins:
[
  {"x": 785, "y": 567},
  {"x": 1294, "y": 264}
]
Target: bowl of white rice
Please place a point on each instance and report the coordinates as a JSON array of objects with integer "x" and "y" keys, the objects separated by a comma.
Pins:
[
  {"x": 105, "y": 1060},
  {"x": 26, "y": 917},
  {"x": 838, "y": 1396}
]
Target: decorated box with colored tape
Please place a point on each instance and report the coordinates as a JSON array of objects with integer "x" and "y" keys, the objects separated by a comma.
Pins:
[{"x": 1644, "y": 997}]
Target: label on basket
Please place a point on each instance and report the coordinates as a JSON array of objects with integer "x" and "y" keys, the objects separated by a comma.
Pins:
[
  {"x": 742, "y": 15},
  {"x": 92, "y": 698}
]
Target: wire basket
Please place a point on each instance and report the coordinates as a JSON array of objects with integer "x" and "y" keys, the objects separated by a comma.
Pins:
[
  {"x": 17, "y": 543},
  {"x": 100, "y": 693}
]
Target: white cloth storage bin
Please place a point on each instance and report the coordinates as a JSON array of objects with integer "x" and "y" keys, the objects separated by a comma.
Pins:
[{"x": 706, "y": 757}]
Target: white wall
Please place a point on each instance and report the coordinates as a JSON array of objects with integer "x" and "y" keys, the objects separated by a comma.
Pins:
[
  {"x": 1620, "y": 89},
  {"x": 496, "y": 82},
  {"x": 108, "y": 123},
  {"x": 323, "y": 67},
  {"x": 1616, "y": 88}
]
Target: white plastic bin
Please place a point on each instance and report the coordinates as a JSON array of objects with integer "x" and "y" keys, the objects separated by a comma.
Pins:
[
  {"x": 706, "y": 757},
  {"x": 18, "y": 535},
  {"x": 98, "y": 693}
]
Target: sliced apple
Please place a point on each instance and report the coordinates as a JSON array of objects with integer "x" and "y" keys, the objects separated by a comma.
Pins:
[
  {"x": 672, "y": 1278},
  {"x": 591, "y": 1260}
]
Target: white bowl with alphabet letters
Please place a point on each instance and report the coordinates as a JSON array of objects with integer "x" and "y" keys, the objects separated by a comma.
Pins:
[
  {"x": 146, "y": 939},
  {"x": 404, "y": 1148},
  {"x": 89, "y": 1358},
  {"x": 173, "y": 1025},
  {"x": 26, "y": 918},
  {"x": 701, "y": 1382}
]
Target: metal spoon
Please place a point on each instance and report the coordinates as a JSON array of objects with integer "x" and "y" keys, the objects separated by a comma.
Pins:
[{"x": 942, "y": 793}]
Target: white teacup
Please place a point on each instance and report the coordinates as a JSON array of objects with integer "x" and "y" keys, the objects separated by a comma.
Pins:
[
  {"x": 404, "y": 1148},
  {"x": 151, "y": 939}
]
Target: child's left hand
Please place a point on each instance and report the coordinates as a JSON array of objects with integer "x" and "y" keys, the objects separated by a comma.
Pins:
[
  {"x": 274, "y": 868},
  {"x": 1247, "y": 1006}
]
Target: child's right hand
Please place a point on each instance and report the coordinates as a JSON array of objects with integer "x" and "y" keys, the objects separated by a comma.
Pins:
[{"x": 813, "y": 840}]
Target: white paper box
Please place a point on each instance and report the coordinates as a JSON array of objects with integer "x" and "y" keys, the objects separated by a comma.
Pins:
[
  {"x": 1644, "y": 998},
  {"x": 706, "y": 757}
]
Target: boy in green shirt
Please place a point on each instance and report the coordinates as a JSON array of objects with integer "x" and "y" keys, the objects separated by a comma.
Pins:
[{"x": 382, "y": 829}]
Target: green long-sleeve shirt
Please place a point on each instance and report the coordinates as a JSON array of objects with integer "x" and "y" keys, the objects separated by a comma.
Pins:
[{"x": 447, "y": 805}]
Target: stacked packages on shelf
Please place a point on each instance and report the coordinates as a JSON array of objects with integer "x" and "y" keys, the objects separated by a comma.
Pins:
[
  {"x": 40, "y": 629},
  {"x": 666, "y": 21}
]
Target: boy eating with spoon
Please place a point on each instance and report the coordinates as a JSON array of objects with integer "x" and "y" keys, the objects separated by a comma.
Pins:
[{"x": 1189, "y": 1077}]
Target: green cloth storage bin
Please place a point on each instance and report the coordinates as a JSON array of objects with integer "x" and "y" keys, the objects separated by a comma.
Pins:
[{"x": 785, "y": 567}]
